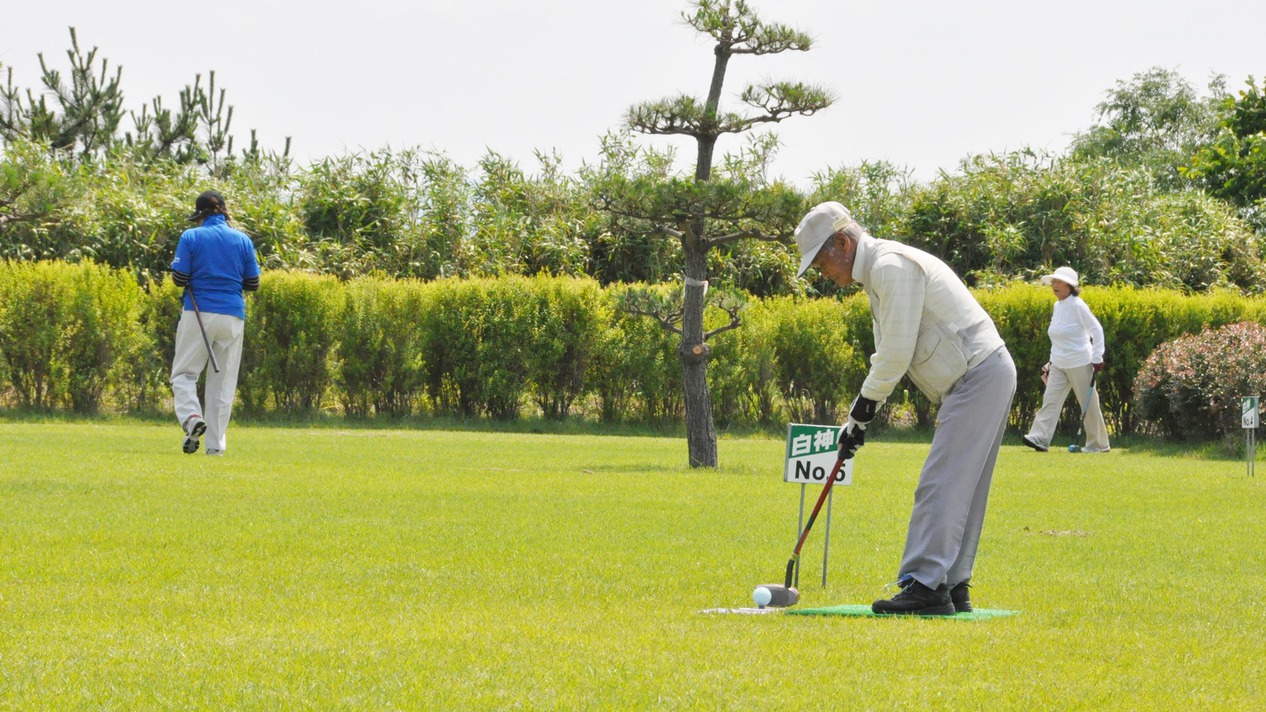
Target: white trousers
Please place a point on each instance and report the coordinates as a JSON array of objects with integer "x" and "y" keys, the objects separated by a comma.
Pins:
[
  {"x": 1060, "y": 382},
  {"x": 190, "y": 360},
  {"x": 949, "y": 503}
]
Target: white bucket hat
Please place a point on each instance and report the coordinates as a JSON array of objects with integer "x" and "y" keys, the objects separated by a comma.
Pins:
[
  {"x": 814, "y": 229},
  {"x": 1064, "y": 274}
]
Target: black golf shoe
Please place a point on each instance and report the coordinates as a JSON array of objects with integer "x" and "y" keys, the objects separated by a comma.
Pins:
[
  {"x": 916, "y": 599},
  {"x": 961, "y": 598},
  {"x": 195, "y": 426},
  {"x": 1032, "y": 444}
]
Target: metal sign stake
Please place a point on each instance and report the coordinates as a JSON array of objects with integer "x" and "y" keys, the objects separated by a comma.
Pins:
[
  {"x": 826, "y": 543},
  {"x": 1248, "y": 417}
]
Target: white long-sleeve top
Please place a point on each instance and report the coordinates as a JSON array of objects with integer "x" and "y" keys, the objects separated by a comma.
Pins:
[
  {"x": 1076, "y": 335},
  {"x": 926, "y": 322}
]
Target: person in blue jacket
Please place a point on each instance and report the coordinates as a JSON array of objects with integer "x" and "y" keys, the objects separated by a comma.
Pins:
[{"x": 215, "y": 264}]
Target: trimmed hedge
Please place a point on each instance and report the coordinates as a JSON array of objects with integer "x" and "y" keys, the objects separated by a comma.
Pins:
[
  {"x": 476, "y": 337},
  {"x": 635, "y": 373},
  {"x": 67, "y": 332},
  {"x": 290, "y": 342},
  {"x": 569, "y": 318},
  {"x": 378, "y": 365},
  {"x": 83, "y": 337}
]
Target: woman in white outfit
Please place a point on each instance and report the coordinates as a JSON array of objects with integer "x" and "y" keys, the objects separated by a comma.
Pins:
[{"x": 1076, "y": 355}]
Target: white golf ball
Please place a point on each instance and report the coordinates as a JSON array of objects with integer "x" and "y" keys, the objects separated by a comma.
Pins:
[{"x": 762, "y": 596}]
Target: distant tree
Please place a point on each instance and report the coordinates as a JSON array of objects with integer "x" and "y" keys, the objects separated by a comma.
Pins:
[
  {"x": 80, "y": 114},
  {"x": 32, "y": 186},
  {"x": 359, "y": 212},
  {"x": 443, "y": 199},
  {"x": 1233, "y": 166},
  {"x": 87, "y": 113},
  {"x": 1020, "y": 214},
  {"x": 705, "y": 212},
  {"x": 530, "y": 224},
  {"x": 125, "y": 212},
  {"x": 1155, "y": 122},
  {"x": 877, "y": 193},
  {"x": 632, "y": 249}
]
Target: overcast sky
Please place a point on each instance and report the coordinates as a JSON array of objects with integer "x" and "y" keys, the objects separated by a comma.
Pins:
[{"x": 920, "y": 83}]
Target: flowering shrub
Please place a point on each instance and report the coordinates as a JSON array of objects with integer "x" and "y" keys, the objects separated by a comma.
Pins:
[{"x": 1190, "y": 388}]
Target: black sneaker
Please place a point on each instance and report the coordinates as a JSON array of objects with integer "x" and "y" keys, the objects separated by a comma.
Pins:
[
  {"x": 961, "y": 598},
  {"x": 195, "y": 426},
  {"x": 916, "y": 599},
  {"x": 1033, "y": 445}
]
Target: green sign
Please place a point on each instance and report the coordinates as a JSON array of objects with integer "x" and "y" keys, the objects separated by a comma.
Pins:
[
  {"x": 811, "y": 455},
  {"x": 1248, "y": 410}
]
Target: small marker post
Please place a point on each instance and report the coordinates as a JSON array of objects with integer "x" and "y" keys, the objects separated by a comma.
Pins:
[{"x": 1248, "y": 416}]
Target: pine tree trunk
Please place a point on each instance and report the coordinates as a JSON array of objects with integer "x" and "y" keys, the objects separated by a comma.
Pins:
[{"x": 701, "y": 436}]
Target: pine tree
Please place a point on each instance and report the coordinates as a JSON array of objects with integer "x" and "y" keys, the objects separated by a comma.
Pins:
[{"x": 707, "y": 211}]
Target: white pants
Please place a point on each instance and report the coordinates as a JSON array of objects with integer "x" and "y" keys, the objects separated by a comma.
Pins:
[
  {"x": 190, "y": 360},
  {"x": 1060, "y": 382},
  {"x": 949, "y": 503}
]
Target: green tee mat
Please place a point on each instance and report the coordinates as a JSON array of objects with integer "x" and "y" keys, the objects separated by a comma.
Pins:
[{"x": 863, "y": 611}]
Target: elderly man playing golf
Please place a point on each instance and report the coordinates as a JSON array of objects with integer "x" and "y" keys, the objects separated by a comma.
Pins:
[
  {"x": 928, "y": 326},
  {"x": 1076, "y": 356},
  {"x": 214, "y": 263}
]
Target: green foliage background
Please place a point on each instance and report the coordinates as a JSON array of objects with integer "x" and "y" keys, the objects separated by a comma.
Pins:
[
  {"x": 402, "y": 284},
  {"x": 410, "y": 215},
  {"x": 1171, "y": 199}
]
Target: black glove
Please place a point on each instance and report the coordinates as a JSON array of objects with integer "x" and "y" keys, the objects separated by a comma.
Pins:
[
  {"x": 863, "y": 411},
  {"x": 852, "y": 438}
]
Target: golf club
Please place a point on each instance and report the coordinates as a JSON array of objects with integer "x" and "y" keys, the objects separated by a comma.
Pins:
[
  {"x": 1082, "y": 425},
  {"x": 198, "y": 315},
  {"x": 785, "y": 595}
]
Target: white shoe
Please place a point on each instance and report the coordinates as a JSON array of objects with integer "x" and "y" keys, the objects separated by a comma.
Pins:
[
  {"x": 195, "y": 426},
  {"x": 214, "y": 452}
]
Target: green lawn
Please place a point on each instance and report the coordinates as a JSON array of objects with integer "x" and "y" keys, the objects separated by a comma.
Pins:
[{"x": 386, "y": 569}]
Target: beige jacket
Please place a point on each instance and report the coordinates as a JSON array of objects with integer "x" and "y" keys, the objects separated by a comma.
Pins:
[{"x": 926, "y": 323}]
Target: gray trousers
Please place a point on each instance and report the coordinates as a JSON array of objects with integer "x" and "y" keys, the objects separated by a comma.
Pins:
[{"x": 949, "y": 503}]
